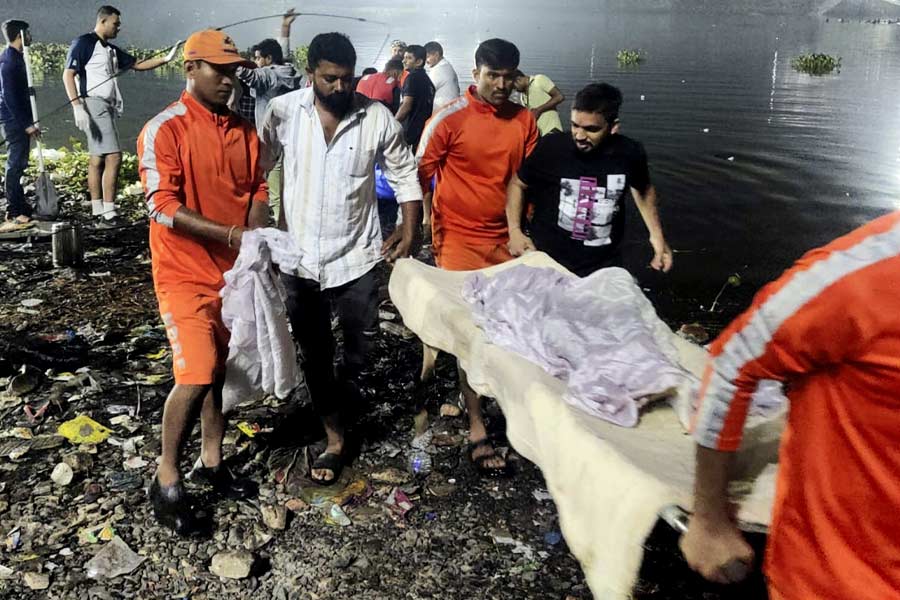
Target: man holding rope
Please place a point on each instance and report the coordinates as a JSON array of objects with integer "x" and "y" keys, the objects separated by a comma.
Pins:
[{"x": 92, "y": 66}]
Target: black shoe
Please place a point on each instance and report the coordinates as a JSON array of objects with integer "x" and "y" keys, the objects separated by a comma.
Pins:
[
  {"x": 223, "y": 481},
  {"x": 113, "y": 223},
  {"x": 172, "y": 508}
]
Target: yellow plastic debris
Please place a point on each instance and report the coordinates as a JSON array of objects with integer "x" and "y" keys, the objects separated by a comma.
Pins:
[
  {"x": 157, "y": 355},
  {"x": 155, "y": 379},
  {"x": 83, "y": 430},
  {"x": 248, "y": 429}
]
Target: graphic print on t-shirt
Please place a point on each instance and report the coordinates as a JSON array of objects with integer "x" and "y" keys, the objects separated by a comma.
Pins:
[{"x": 587, "y": 209}]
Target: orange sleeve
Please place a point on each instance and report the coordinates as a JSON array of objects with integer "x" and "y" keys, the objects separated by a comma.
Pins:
[
  {"x": 161, "y": 172},
  {"x": 796, "y": 325},
  {"x": 433, "y": 148}
]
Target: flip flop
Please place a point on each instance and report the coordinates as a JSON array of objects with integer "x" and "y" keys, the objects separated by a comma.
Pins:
[
  {"x": 327, "y": 461},
  {"x": 479, "y": 463}
]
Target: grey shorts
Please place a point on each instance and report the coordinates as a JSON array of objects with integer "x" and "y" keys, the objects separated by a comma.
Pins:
[{"x": 103, "y": 136}]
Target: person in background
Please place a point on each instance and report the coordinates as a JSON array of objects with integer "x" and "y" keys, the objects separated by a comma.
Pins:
[
  {"x": 92, "y": 65},
  {"x": 416, "y": 96},
  {"x": 384, "y": 86},
  {"x": 475, "y": 145},
  {"x": 541, "y": 96},
  {"x": 16, "y": 120},
  {"x": 272, "y": 77},
  {"x": 442, "y": 74},
  {"x": 329, "y": 139},
  {"x": 199, "y": 165},
  {"x": 830, "y": 330},
  {"x": 366, "y": 71},
  {"x": 577, "y": 183},
  {"x": 398, "y": 49}
]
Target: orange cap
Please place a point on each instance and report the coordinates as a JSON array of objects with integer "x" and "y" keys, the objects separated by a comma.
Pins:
[{"x": 216, "y": 47}]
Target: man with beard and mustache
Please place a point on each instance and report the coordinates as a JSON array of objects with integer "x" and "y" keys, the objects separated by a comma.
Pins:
[
  {"x": 475, "y": 145},
  {"x": 329, "y": 139},
  {"x": 577, "y": 183},
  {"x": 199, "y": 164}
]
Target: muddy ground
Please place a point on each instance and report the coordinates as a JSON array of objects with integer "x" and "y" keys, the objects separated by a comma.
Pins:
[{"x": 93, "y": 345}]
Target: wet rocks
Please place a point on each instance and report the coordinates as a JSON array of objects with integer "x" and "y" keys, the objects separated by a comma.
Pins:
[
  {"x": 235, "y": 564},
  {"x": 274, "y": 516}
]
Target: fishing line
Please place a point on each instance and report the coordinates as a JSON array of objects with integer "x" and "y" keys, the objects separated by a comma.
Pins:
[{"x": 235, "y": 24}]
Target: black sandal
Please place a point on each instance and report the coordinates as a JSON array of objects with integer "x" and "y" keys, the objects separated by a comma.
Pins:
[
  {"x": 327, "y": 461},
  {"x": 479, "y": 463}
]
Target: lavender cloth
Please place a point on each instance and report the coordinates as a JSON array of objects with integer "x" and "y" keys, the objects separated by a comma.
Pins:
[{"x": 588, "y": 332}]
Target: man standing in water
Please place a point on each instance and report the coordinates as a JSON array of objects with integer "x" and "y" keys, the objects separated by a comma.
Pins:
[
  {"x": 830, "y": 329},
  {"x": 475, "y": 145},
  {"x": 90, "y": 81},
  {"x": 577, "y": 184},
  {"x": 199, "y": 164},
  {"x": 329, "y": 139}
]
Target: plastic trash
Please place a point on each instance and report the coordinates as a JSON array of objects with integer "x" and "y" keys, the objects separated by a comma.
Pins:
[
  {"x": 115, "y": 559},
  {"x": 337, "y": 516},
  {"x": 399, "y": 503},
  {"x": 541, "y": 495},
  {"x": 552, "y": 538},
  {"x": 83, "y": 430},
  {"x": 62, "y": 474},
  {"x": 419, "y": 460}
]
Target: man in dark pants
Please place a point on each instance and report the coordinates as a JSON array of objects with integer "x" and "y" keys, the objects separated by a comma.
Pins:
[
  {"x": 15, "y": 119},
  {"x": 329, "y": 139}
]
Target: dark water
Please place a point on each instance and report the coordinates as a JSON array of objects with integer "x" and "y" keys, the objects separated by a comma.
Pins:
[{"x": 812, "y": 156}]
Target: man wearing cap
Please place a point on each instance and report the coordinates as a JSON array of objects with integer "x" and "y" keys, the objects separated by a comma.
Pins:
[
  {"x": 92, "y": 65},
  {"x": 199, "y": 164}
]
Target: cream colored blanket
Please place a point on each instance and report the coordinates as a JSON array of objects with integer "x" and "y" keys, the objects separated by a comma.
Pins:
[{"x": 608, "y": 482}]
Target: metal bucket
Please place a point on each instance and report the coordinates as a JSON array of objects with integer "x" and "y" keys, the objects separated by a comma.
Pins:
[{"x": 66, "y": 244}]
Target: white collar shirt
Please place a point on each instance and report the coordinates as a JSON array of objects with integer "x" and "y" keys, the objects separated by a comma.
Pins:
[{"x": 328, "y": 202}]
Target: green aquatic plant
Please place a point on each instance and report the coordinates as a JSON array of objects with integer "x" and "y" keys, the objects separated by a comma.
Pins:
[
  {"x": 629, "y": 58},
  {"x": 816, "y": 64},
  {"x": 47, "y": 58},
  {"x": 300, "y": 57},
  {"x": 734, "y": 280}
]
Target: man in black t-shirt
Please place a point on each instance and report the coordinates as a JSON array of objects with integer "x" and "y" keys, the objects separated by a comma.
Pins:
[
  {"x": 416, "y": 96},
  {"x": 577, "y": 184}
]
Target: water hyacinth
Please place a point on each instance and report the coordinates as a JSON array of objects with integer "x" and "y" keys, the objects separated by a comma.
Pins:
[
  {"x": 816, "y": 64},
  {"x": 629, "y": 58}
]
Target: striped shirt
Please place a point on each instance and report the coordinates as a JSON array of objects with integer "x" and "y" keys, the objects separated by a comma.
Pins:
[
  {"x": 830, "y": 328},
  {"x": 329, "y": 198},
  {"x": 208, "y": 163}
]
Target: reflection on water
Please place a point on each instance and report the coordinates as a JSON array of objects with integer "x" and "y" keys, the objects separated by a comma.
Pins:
[{"x": 755, "y": 163}]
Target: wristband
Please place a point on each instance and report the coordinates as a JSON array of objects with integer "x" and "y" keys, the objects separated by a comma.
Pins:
[{"x": 231, "y": 231}]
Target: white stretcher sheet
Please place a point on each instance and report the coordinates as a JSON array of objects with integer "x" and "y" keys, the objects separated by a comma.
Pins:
[{"x": 608, "y": 482}]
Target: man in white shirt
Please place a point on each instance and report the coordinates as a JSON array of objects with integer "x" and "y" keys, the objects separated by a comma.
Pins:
[
  {"x": 442, "y": 74},
  {"x": 329, "y": 139}
]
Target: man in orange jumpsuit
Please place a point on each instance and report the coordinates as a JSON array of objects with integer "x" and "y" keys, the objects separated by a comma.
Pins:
[
  {"x": 474, "y": 145},
  {"x": 830, "y": 328},
  {"x": 199, "y": 165}
]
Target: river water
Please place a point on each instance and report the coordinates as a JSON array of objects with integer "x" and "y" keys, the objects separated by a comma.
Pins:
[{"x": 754, "y": 162}]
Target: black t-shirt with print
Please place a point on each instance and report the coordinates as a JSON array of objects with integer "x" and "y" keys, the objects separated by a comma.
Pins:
[
  {"x": 578, "y": 198},
  {"x": 419, "y": 86}
]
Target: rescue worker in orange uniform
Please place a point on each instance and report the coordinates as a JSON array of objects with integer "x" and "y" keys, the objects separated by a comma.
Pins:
[
  {"x": 830, "y": 328},
  {"x": 199, "y": 165}
]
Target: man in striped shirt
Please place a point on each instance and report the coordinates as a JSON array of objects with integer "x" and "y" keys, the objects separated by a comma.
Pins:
[
  {"x": 830, "y": 328},
  {"x": 329, "y": 139}
]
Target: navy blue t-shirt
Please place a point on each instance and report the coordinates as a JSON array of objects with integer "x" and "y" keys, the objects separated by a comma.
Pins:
[{"x": 419, "y": 86}]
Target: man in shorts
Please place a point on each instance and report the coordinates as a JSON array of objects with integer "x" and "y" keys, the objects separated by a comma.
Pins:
[
  {"x": 92, "y": 66},
  {"x": 199, "y": 164},
  {"x": 475, "y": 145}
]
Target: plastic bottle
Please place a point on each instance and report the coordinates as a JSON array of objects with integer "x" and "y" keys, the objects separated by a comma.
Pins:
[{"x": 419, "y": 458}]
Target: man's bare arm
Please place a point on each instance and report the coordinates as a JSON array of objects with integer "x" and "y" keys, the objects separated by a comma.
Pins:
[
  {"x": 405, "y": 108},
  {"x": 519, "y": 243},
  {"x": 556, "y": 98},
  {"x": 647, "y": 205},
  {"x": 198, "y": 226}
]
